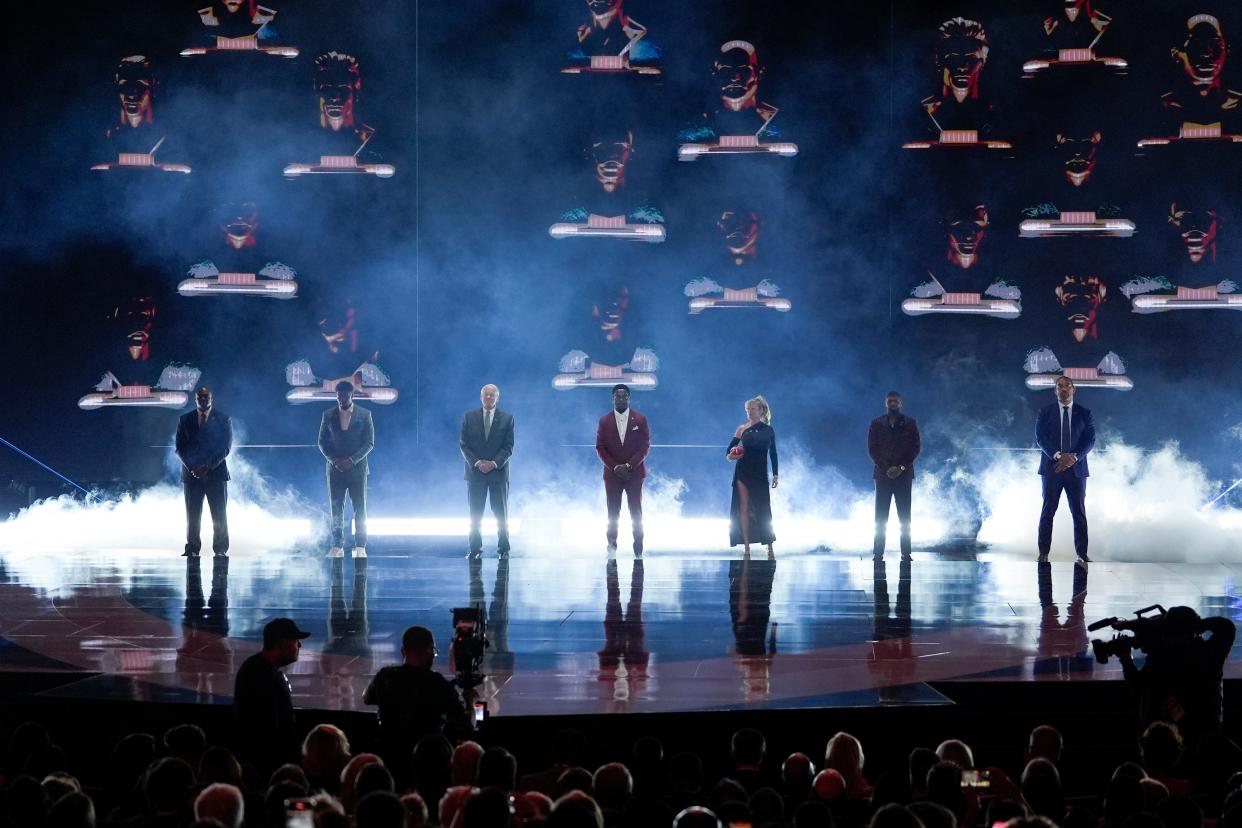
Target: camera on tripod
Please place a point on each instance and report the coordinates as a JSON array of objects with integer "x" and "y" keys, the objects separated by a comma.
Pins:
[
  {"x": 469, "y": 644},
  {"x": 1145, "y": 628}
]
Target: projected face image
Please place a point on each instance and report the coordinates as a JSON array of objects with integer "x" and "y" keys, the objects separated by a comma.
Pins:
[
  {"x": 1077, "y": 156},
  {"x": 134, "y": 84},
  {"x": 740, "y": 232},
  {"x": 737, "y": 73},
  {"x": 232, "y": 6},
  {"x": 961, "y": 53},
  {"x": 339, "y": 330},
  {"x": 1198, "y": 230},
  {"x": 600, "y": 8},
  {"x": 967, "y": 231},
  {"x": 610, "y": 154},
  {"x": 240, "y": 224},
  {"x": 1081, "y": 297},
  {"x": 1202, "y": 54},
  {"x": 612, "y": 315},
  {"x": 338, "y": 83},
  {"x": 138, "y": 315}
]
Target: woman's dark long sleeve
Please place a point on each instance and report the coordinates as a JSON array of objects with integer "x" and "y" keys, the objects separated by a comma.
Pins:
[{"x": 772, "y": 454}]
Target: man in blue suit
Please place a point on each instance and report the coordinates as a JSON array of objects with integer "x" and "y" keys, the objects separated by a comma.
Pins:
[
  {"x": 1065, "y": 433},
  {"x": 204, "y": 439},
  {"x": 486, "y": 444},
  {"x": 346, "y": 437}
]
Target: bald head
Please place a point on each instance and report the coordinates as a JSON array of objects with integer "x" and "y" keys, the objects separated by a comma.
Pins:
[{"x": 489, "y": 395}]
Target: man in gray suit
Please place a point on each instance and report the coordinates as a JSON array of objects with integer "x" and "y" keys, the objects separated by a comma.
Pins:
[
  {"x": 346, "y": 437},
  {"x": 486, "y": 445}
]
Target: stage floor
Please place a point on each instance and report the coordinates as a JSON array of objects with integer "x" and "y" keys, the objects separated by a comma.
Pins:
[{"x": 580, "y": 633}]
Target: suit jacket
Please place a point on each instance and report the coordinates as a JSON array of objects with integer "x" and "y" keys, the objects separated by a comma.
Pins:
[
  {"x": 1080, "y": 440},
  {"x": 206, "y": 446},
  {"x": 893, "y": 445},
  {"x": 497, "y": 446},
  {"x": 356, "y": 443},
  {"x": 612, "y": 452}
]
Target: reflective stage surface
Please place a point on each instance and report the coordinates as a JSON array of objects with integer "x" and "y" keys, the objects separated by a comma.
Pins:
[{"x": 578, "y": 633}]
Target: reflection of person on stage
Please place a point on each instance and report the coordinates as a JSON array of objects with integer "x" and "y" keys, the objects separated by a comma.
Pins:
[
  {"x": 346, "y": 437},
  {"x": 750, "y": 610},
  {"x": 893, "y": 442},
  {"x": 750, "y": 509},
  {"x": 205, "y": 650},
  {"x": 347, "y": 634},
  {"x": 486, "y": 443},
  {"x": 498, "y": 659},
  {"x": 1062, "y": 646},
  {"x": 624, "y": 657},
  {"x": 892, "y": 656},
  {"x": 623, "y": 441},
  {"x": 1065, "y": 432},
  {"x": 204, "y": 439}
]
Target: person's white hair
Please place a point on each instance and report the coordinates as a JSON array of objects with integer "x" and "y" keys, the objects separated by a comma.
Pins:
[
  {"x": 955, "y": 750},
  {"x": 222, "y": 802}
]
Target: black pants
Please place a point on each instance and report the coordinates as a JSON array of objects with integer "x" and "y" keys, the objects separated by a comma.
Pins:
[
  {"x": 217, "y": 494},
  {"x": 495, "y": 486},
  {"x": 355, "y": 485},
  {"x": 1075, "y": 489},
  {"x": 886, "y": 491}
]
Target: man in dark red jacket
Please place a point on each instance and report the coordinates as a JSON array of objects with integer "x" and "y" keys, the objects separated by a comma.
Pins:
[
  {"x": 622, "y": 442},
  {"x": 893, "y": 443}
]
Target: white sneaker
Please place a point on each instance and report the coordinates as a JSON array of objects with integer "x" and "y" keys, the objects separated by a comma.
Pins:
[
  {"x": 360, "y": 551},
  {"x": 336, "y": 552}
]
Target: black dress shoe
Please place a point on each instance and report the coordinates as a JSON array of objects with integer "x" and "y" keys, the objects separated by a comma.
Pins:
[
  {"x": 188, "y": 554},
  {"x": 474, "y": 554},
  {"x": 222, "y": 553},
  {"x": 503, "y": 553},
  {"x": 1083, "y": 559},
  {"x": 1043, "y": 557}
]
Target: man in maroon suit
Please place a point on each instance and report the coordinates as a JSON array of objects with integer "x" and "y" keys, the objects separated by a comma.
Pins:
[{"x": 622, "y": 442}]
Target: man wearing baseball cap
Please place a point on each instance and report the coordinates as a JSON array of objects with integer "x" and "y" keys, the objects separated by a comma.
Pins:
[{"x": 262, "y": 700}]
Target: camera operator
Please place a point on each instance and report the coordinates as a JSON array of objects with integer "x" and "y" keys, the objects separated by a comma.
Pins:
[
  {"x": 414, "y": 701},
  {"x": 1181, "y": 680}
]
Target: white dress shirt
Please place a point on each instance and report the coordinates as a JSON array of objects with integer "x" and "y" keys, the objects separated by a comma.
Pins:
[{"x": 623, "y": 423}]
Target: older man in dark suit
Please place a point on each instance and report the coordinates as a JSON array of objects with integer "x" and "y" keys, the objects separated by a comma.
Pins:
[
  {"x": 1065, "y": 432},
  {"x": 486, "y": 444},
  {"x": 623, "y": 441},
  {"x": 204, "y": 438},
  {"x": 346, "y": 437}
]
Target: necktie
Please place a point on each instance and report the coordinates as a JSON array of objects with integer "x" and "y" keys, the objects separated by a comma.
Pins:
[
  {"x": 1065, "y": 426},
  {"x": 202, "y": 418},
  {"x": 487, "y": 424}
]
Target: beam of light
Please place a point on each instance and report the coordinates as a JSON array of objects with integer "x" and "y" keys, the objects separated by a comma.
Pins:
[{"x": 46, "y": 467}]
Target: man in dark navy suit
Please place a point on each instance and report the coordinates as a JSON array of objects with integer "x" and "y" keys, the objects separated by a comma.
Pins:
[
  {"x": 1065, "y": 433},
  {"x": 204, "y": 438},
  {"x": 346, "y": 437},
  {"x": 486, "y": 444},
  {"x": 622, "y": 442}
]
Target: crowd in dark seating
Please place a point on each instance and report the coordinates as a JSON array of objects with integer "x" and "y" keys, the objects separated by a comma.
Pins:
[{"x": 180, "y": 781}]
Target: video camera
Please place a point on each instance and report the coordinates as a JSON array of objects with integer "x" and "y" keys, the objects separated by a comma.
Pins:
[
  {"x": 1145, "y": 628},
  {"x": 469, "y": 644}
]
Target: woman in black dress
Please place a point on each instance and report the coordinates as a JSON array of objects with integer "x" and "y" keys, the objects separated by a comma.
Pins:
[{"x": 750, "y": 512}]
